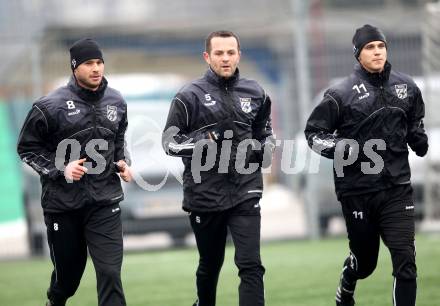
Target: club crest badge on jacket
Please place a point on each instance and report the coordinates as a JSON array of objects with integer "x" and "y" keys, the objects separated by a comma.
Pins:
[
  {"x": 246, "y": 105},
  {"x": 401, "y": 91},
  {"x": 112, "y": 112}
]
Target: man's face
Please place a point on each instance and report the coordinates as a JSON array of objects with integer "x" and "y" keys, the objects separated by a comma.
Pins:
[
  {"x": 89, "y": 73},
  {"x": 373, "y": 56},
  {"x": 224, "y": 56}
]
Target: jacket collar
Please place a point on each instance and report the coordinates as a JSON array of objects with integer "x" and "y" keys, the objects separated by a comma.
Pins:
[
  {"x": 217, "y": 80},
  {"x": 375, "y": 79},
  {"x": 87, "y": 94}
]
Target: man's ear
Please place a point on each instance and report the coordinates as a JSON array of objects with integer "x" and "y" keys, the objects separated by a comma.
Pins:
[{"x": 206, "y": 57}]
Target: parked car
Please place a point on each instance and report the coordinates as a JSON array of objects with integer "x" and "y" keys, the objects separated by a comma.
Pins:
[
  {"x": 36, "y": 229},
  {"x": 153, "y": 200}
]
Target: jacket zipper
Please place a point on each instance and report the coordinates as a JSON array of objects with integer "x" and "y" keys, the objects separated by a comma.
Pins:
[
  {"x": 227, "y": 99},
  {"x": 86, "y": 185},
  {"x": 381, "y": 96}
]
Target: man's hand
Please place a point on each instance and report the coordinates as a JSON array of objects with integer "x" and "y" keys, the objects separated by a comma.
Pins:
[
  {"x": 217, "y": 134},
  {"x": 124, "y": 170},
  {"x": 74, "y": 170}
]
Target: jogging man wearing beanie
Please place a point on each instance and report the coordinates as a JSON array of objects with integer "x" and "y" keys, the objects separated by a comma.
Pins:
[
  {"x": 74, "y": 139},
  {"x": 365, "y": 123}
]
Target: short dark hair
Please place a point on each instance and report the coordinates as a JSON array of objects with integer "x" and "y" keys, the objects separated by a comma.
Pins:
[{"x": 219, "y": 34}]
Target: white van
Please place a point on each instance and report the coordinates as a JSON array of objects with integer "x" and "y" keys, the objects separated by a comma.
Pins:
[{"x": 153, "y": 200}]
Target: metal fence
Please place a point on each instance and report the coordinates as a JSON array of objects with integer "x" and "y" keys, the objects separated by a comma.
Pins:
[
  {"x": 294, "y": 48},
  {"x": 431, "y": 69}
]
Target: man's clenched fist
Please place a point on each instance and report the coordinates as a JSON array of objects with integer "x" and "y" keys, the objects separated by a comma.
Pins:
[
  {"x": 124, "y": 170},
  {"x": 74, "y": 170}
]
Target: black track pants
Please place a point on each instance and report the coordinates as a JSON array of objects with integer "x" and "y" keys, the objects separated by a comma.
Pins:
[
  {"x": 388, "y": 214},
  {"x": 70, "y": 234},
  {"x": 210, "y": 230}
]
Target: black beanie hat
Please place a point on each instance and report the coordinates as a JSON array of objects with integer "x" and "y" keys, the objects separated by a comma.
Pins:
[
  {"x": 84, "y": 50},
  {"x": 364, "y": 35}
]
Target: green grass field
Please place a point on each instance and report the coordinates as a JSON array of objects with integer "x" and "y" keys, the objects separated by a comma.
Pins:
[{"x": 303, "y": 273}]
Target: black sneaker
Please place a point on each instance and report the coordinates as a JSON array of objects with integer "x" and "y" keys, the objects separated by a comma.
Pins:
[
  {"x": 344, "y": 297},
  {"x": 196, "y": 303}
]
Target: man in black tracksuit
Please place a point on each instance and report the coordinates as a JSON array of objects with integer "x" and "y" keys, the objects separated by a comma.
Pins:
[
  {"x": 220, "y": 126},
  {"x": 74, "y": 139},
  {"x": 366, "y": 123}
]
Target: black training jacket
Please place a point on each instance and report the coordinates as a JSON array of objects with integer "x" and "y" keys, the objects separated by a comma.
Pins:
[
  {"x": 73, "y": 114},
  {"x": 366, "y": 106},
  {"x": 203, "y": 106}
]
